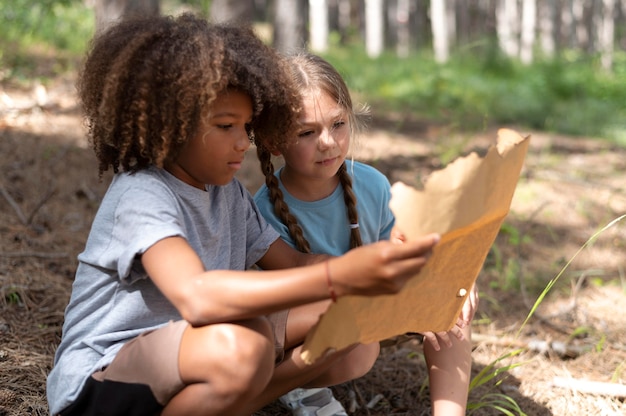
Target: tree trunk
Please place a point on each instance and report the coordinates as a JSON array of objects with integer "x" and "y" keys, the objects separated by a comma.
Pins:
[
  {"x": 547, "y": 17},
  {"x": 529, "y": 14},
  {"x": 374, "y": 27},
  {"x": 606, "y": 34},
  {"x": 289, "y": 25},
  {"x": 451, "y": 22},
  {"x": 439, "y": 23},
  {"x": 236, "y": 11},
  {"x": 344, "y": 13},
  {"x": 507, "y": 17},
  {"x": 111, "y": 11},
  {"x": 318, "y": 25},
  {"x": 403, "y": 34}
]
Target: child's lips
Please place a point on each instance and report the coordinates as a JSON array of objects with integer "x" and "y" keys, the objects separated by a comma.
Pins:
[
  {"x": 327, "y": 162},
  {"x": 236, "y": 165}
]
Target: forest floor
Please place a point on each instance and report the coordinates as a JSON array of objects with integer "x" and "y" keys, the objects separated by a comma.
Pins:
[{"x": 568, "y": 359}]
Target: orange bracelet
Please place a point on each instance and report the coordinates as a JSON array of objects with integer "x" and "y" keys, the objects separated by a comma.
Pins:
[{"x": 329, "y": 282}]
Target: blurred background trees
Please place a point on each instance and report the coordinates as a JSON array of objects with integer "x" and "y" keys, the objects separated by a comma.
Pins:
[{"x": 550, "y": 64}]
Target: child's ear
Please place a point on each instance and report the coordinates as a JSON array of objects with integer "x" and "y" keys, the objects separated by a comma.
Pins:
[{"x": 275, "y": 152}]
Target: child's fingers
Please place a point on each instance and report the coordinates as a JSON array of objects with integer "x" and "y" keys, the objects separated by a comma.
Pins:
[
  {"x": 415, "y": 248},
  {"x": 431, "y": 338}
]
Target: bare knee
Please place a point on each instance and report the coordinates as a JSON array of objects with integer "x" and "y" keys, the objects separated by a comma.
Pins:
[
  {"x": 349, "y": 364},
  {"x": 235, "y": 360},
  {"x": 361, "y": 360}
]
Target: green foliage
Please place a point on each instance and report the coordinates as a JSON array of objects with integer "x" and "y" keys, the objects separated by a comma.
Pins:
[
  {"x": 32, "y": 30},
  {"x": 497, "y": 401},
  {"x": 568, "y": 94}
]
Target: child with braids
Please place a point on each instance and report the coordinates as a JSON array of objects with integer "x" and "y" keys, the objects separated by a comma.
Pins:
[
  {"x": 165, "y": 315},
  {"x": 320, "y": 202}
]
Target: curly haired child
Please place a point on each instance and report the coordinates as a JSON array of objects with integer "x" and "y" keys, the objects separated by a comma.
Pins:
[
  {"x": 165, "y": 315},
  {"x": 312, "y": 202}
]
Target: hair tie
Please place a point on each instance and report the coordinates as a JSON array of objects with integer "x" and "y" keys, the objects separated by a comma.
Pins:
[{"x": 354, "y": 226}]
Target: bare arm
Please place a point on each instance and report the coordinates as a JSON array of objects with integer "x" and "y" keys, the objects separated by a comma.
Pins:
[
  {"x": 204, "y": 297},
  {"x": 281, "y": 255}
]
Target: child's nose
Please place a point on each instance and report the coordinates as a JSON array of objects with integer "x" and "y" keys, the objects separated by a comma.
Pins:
[
  {"x": 243, "y": 141},
  {"x": 326, "y": 139}
]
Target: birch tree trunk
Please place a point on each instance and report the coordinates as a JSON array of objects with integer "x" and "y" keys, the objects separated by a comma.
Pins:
[
  {"x": 374, "y": 41},
  {"x": 451, "y": 22},
  {"x": 529, "y": 14},
  {"x": 403, "y": 13},
  {"x": 606, "y": 34},
  {"x": 546, "y": 27},
  {"x": 439, "y": 25},
  {"x": 507, "y": 18},
  {"x": 318, "y": 25},
  {"x": 110, "y": 11},
  {"x": 289, "y": 25},
  {"x": 580, "y": 33}
]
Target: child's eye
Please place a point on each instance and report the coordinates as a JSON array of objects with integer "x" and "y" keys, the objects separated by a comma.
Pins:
[
  {"x": 305, "y": 133},
  {"x": 224, "y": 126},
  {"x": 338, "y": 124}
]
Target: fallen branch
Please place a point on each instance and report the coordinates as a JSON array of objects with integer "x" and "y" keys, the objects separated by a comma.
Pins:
[
  {"x": 14, "y": 205},
  {"x": 558, "y": 348},
  {"x": 591, "y": 387}
]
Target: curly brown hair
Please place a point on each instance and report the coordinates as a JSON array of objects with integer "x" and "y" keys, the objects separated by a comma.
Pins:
[
  {"x": 146, "y": 83},
  {"x": 311, "y": 72}
]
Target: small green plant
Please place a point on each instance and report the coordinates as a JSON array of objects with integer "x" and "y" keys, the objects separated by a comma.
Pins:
[
  {"x": 12, "y": 297},
  {"x": 499, "y": 401}
]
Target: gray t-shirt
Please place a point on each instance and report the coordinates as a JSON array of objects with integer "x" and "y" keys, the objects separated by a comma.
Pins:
[{"x": 113, "y": 300}]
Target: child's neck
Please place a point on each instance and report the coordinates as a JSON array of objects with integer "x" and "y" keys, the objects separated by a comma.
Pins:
[{"x": 307, "y": 189}]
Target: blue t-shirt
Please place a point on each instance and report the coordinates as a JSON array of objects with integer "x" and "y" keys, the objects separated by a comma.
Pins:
[
  {"x": 113, "y": 299},
  {"x": 325, "y": 222}
]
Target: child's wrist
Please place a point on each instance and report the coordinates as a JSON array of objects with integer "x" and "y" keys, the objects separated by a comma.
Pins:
[{"x": 329, "y": 282}]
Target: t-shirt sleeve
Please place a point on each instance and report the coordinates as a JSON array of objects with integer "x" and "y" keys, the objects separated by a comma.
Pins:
[
  {"x": 139, "y": 217},
  {"x": 388, "y": 220}
]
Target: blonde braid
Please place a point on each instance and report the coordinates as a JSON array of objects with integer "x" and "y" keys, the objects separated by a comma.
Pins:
[
  {"x": 276, "y": 197},
  {"x": 351, "y": 210}
]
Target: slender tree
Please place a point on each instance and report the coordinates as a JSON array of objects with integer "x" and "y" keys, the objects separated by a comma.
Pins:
[
  {"x": 403, "y": 34},
  {"x": 547, "y": 16},
  {"x": 507, "y": 16},
  {"x": 289, "y": 25},
  {"x": 109, "y": 11},
  {"x": 240, "y": 11},
  {"x": 374, "y": 27},
  {"x": 439, "y": 24},
  {"x": 529, "y": 22},
  {"x": 606, "y": 34},
  {"x": 318, "y": 25}
]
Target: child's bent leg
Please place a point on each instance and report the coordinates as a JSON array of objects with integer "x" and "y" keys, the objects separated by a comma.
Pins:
[
  {"x": 449, "y": 375},
  {"x": 356, "y": 360},
  {"x": 222, "y": 366},
  {"x": 336, "y": 368},
  {"x": 292, "y": 372}
]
